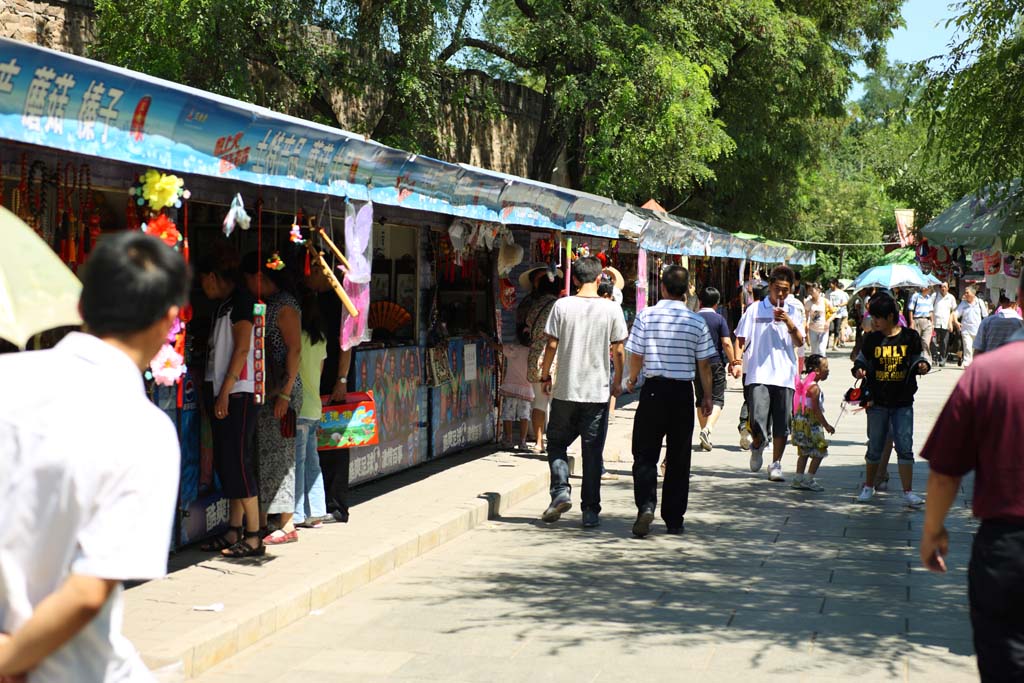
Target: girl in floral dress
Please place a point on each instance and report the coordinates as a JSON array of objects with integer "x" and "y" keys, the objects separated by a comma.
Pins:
[{"x": 810, "y": 425}]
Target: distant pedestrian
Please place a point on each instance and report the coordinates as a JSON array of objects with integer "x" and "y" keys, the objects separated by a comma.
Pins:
[
  {"x": 839, "y": 301},
  {"x": 967, "y": 318},
  {"x": 997, "y": 329},
  {"x": 546, "y": 285},
  {"x": 89, "y": 472},
  {"x": 737, "y": 369},
  {"x": 580, "y": 331},
  {"x": 725, "y": 358},
  {"x": 310, "y": 496},
  {"x": 816, "y": 311},
  {"x": 516, "y": 392},
  {"x": 943, "y": 320},
  {"x": 810, "y": 425},
  {"x": 773, "y": 330},
  {"x": 965, "y": 439},
  {"x": 891, "y": 359},
  {"x": 670, "y": 344},
  {"x": 920, "y": 309}
]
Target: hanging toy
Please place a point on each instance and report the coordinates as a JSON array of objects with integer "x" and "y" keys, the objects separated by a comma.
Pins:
[
  {"x": 296, "y": 233},
  {"x": 275, "y": 263},
  {"x": 259, "y": 312},
  {"x": 236, "y": 216}
]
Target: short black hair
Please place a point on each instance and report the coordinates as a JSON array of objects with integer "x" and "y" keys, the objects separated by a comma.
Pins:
[
  {"x": 549, "y": 286},
  {"x": 759, "y": 293},
  {"x": 883, "y": 307},
  {"x": 834, "y": 281},
  {"x": 523, "y": 335},
  {"x": 709, "y": 297},
  {"x": 1004, "y": 300},
  {"x": 282, "y": 278},
  {"x": 782, "y": 273},
  {"x": 676, "y": 280},
  {"x": 606, "y": 289},
  {"x": 586, "y": 269},
  {"x": 813, "y": 363},
  {"x": 129, "y": 282}
]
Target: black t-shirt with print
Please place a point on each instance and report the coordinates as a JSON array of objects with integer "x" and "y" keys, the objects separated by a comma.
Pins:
[{"x": 891, "y": 365}]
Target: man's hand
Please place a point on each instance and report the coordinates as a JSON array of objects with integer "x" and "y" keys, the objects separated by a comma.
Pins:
[
  {"x": 934, "y": 548},
  {"x": 922, "y": 368},
  {"x": 631, "y": 384},
  {"x": 782, "y": 317},
  {"x": 830, "y": 429},
  {"x": 5, "y": 643},
  {"x": 736, "y": 371},
  {"x": 220, "y": 408},
  {"x": 616, "y": 389},
  {"x": 707, "y": 406},
  {"x": 860, "y": 373},
  {"x": 546, "y": 383},
  {"x": 340, "y": 392}
]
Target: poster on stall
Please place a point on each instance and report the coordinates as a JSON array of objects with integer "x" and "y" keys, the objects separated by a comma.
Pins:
[
  {"x": 395, "y": 376},
  {"x": 470, "y": 361},
  {"x": 462, "y": 411}
]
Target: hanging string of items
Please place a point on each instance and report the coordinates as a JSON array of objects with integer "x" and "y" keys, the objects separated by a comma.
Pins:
[{"x": 259, "y": 313}]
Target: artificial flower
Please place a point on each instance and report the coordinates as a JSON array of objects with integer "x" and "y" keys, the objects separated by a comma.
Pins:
[
  {"x": 167, "y": 366},
  {"x": 161, "y": 190},
  {"x": 163, "y": 228}
]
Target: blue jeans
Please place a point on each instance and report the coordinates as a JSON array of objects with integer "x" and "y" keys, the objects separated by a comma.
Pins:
[
  {"x": 882, "y": 419},
  {"x": 567, "y": 421},
  {"x": 310, "y": 502}
]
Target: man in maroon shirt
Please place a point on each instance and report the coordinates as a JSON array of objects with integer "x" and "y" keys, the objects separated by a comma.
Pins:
[{"x": 965, "y": 439}]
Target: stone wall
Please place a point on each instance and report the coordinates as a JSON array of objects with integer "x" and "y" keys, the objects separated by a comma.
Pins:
[
  {"x": 495, "y": 128},
  {"x": 65, "y": 26}
]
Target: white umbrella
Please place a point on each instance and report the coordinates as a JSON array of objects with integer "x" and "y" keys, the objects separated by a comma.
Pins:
[{"x": 37, "y": 291}]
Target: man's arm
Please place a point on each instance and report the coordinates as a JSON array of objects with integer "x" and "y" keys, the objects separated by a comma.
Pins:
[
  {"x": 545, "y": 365},
  {"x": 619, "y": 361},
  {"x": 55, "y": 621},
  {"x": 704, "y": 368},
  {"x": 636, "y": 364},
  {"x": 737, "y": 362},
  {"x": 942, "y": 490}
]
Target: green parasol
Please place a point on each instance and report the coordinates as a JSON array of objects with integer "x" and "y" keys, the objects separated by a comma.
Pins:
[{"x": 979, "y": 219}]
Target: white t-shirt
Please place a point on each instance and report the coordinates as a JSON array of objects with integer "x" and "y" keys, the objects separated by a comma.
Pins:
[
  {"x": 816, "y": 315},
  {"x": 838, "y": 298},
  {"x": 585, "y": 327},
  {"x": 944, "y": 306},
  {"x": 970, "y": 315},
  {"x": 89, "y": 486},
  {"x": 769, "y": 353}
]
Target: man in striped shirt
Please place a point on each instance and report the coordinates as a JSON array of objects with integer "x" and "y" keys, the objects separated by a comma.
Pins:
[{"x": 670, "y": 344}]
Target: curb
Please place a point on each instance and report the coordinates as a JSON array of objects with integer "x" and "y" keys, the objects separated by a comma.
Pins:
[{"x": 202, "y": 648}]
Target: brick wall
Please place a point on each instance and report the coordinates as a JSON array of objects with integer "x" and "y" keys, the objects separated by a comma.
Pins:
[{"x": 65, "y": 26}]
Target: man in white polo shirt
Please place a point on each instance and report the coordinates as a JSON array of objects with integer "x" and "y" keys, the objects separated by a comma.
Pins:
[
  {"x": 670, "y": 344},
  {"x": 771, "y": 331},
  {"x": 88, "y": 473}
]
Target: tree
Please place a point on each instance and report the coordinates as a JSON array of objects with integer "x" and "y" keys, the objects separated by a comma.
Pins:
[{"x": 974, "y": 99}]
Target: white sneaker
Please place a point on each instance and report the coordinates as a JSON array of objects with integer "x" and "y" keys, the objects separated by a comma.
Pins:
[
  {"x": 912, "y": 500},
  {"x": 798, "y": 481},
  {"x": 745, "y": 439},
  {"x": 811, "y": 484},
  {"x": 775, "y": 472},
  {"x": 705, "y": 440},
  {"x": 866, "y": 494},
  {"x": 756, "y": 459}
]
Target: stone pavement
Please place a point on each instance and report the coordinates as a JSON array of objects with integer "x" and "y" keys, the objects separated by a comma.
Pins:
[{"x": 767, "y": 584}]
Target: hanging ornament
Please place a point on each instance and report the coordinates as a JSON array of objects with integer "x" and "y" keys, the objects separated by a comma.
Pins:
[
  {"x": 274, "y": 262},
  {"x": 164, "y": 229},
  {"x": 236, "y": 216},
  {"x": 508, "y": 294}
]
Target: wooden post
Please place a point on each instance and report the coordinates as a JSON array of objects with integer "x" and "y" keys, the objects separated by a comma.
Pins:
[{"x": 333, "y": 280}]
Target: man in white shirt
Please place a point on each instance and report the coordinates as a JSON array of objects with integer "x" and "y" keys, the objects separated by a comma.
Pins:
[
  {"x": 773, "y": 330},
  {"x": 90, "y": 473},
  {"x": 942, "y": 321},
  {"x": 968, "y": 317}
]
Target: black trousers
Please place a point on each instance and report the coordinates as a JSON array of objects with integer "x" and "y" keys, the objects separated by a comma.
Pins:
[
  {"x": 996, "y": 590},
  {"x": 665, "y": 411},
  {"x": 942, "y": 345},
  {"x": 334, "y": 465}
]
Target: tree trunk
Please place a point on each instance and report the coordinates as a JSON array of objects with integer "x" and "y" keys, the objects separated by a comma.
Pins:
[{"x": 550, "y": 138}]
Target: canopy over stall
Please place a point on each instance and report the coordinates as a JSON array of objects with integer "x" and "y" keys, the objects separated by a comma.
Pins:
[{"x": 977, "y": 220}]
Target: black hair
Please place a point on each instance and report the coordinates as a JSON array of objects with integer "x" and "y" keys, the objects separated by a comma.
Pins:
[
  {"x": 782, "y": 273},
  {"x": 586, "y": 269},
  {"x": 282, "y": 278},
  {"x": 834, "y": 281},
  {"x": 709, "y": 297},
  {"x": 813, "y": 363},
  {"x": 221, "y": 259},
  {"x": 796, "y": 273},
  {"x": 312, "y": 321},
  {"x": 129, "y": 282},
  {"x": 523, "y": 335},
  {"x": 1004, "y": 300},
  {"x": 883, "y": 307},
  {"x": 606, "y": 290},
  {"x": 676, "y": 281},
  {"x": 549, "y": 286},
  {"x": 759, "y": 293}
]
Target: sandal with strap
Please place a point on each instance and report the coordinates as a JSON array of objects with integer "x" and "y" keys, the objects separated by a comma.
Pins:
[
  {"x": 222, "y": 542},
  {"x": 242, "y": 549}
]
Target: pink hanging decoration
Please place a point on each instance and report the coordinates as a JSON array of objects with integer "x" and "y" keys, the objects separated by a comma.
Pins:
[{"x": 353, "y": 328}]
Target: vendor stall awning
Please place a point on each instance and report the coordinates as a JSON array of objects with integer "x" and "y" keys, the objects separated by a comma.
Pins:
[
  {"x": 979, "y": 219},
  {"x": 675, "y": 235},
  {"x": 78, "y": 105}
]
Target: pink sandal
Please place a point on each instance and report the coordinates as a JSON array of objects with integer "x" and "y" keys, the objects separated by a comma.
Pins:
[{"x": 280, "y": 537}]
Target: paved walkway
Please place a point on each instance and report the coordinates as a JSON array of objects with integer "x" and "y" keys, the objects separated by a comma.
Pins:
[{"x": 767, "y": 584}]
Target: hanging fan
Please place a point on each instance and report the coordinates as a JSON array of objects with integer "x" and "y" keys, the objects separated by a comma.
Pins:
[{"x": 385, "y": 315}]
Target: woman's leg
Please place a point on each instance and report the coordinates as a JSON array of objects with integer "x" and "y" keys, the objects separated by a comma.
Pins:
[
  {"x": 316, "y": 496},
  {"x": 524, "y": 426},
  {"x": 301, "y": 506},
  {"x": 815, "y": 464},
  {"x": 540, "y": 418}
]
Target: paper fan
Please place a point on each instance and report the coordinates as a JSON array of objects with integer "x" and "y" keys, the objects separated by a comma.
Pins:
[{"x": 385, "y": 315}]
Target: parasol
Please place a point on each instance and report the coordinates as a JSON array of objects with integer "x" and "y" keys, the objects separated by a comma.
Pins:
[
  {"x": 37, "y": 291},
  {"x": 891, "y": 276}
]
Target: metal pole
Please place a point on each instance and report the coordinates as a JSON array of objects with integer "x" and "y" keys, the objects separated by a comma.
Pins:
[{"x": 842, "y": 252}]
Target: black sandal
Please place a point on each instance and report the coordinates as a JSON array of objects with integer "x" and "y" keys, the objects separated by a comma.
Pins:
[
  {"x": 222, "y": 542},
  {"x": 242, "y": 549}
]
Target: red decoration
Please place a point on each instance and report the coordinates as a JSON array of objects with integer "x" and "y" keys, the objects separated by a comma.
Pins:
[
  {"x": 508, "y": 294},
  {"x": 164, "y": 229}
]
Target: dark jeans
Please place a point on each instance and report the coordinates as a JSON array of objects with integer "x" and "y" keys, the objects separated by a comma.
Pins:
[
  {"x": 567, "y": 421},
  {"x": 996, "y": 590},
  {"x": 334, "y": 465},
  {"x": 942, "y": 345},
  {"x": 663, "y": 412}
]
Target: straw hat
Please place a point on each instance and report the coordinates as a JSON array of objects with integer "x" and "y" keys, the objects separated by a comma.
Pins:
[
  {"x": 618, "y": 281},
  {"x": 526, "y": 278}
]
